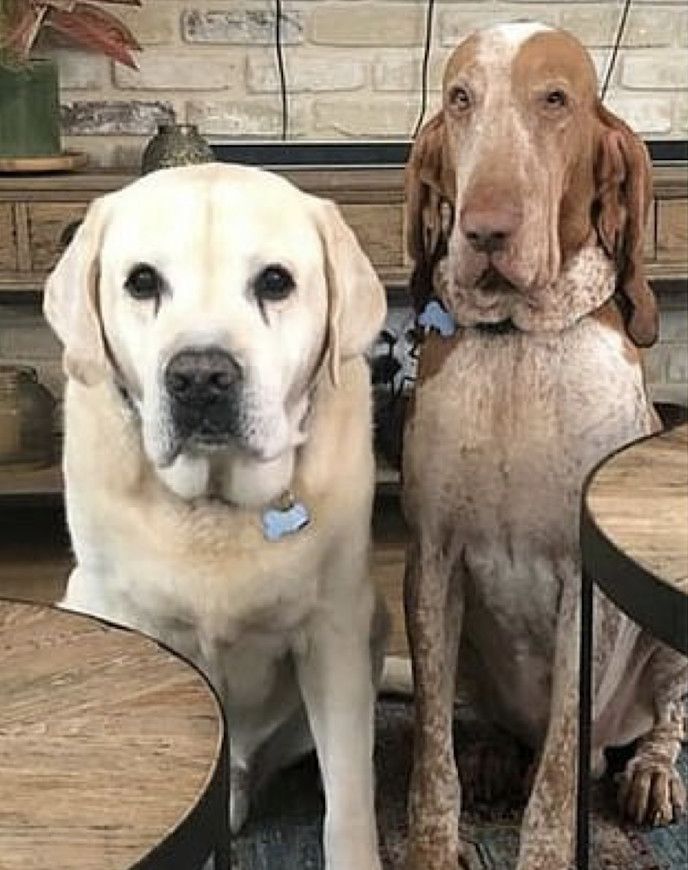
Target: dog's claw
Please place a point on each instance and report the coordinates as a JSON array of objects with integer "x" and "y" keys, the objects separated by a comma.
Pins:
[{"x": 651, "y": 792}]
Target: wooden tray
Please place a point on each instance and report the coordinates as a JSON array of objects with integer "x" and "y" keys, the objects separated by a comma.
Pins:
[{"x": 57, "y": 163}]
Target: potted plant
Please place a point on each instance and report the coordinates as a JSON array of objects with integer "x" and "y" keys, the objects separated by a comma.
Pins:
[{"x": 29, "y": 93}]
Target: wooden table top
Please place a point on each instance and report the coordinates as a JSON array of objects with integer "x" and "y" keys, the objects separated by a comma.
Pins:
[
  {"x": 108, "y": 742},
  {"x": 634, "y": 533},
  {"x": 639, "y": 500}
]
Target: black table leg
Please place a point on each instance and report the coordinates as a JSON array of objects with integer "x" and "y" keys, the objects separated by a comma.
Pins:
[
  {"x": 584, "y": 724},
  {"x": 222, "y": 859}
]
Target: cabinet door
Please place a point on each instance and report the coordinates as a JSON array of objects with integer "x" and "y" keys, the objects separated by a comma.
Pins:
[
  {"x": 50, "y": 226},
  {"x": 672, "y": 230},
  {"x": 8, "y": 242}
]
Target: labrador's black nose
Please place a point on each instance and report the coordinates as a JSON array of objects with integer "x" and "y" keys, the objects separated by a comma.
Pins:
[{"x": 198, "y": 378}]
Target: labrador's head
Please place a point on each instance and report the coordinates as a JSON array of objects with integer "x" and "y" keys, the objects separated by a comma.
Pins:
[{"x": 213, "y": 296}]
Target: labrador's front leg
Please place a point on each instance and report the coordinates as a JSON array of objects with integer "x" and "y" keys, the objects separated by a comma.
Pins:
[
  {"x": 547, "y": 833},
  {"x": 335, "y": 674},
  {"x": 434, "y": 611}
]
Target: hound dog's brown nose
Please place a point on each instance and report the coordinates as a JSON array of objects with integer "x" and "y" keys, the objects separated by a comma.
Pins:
[{"x": 489, "y": 228}]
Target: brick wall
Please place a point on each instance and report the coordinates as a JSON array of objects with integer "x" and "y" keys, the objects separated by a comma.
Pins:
[{"x": 353, "y": 68}]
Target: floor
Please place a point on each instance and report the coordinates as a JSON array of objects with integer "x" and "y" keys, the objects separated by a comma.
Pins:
[
  {"x": 35, "y": 559},
  {"x": 34, "y": 564}
]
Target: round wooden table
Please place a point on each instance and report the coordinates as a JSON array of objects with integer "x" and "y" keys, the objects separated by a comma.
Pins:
[
  {"x": 112, "y": 749},
  {"x": 635, "y": 533},
  {"x": 634, "y": 542}
]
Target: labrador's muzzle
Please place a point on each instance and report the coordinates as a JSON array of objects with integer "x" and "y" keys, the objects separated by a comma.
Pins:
[{"x": 203, "y": 386}]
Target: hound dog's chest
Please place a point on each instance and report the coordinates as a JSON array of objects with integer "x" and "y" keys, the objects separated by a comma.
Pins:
[
  {"x": 497, "y": 447},
  {"x": 504, "y": 430}
]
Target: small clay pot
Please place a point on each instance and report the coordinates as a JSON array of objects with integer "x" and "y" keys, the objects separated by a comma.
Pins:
[
  {"x": 26, "y": 419},
  {"x": 175, "y": 145}
]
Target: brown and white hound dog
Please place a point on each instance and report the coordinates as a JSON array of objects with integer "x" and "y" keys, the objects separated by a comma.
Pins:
[{"x": 542, "y": 271}]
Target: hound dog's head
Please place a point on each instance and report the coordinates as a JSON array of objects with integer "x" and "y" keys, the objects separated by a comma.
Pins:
[
  {"x": 213, "y": 296},
  {"x": 544, "y": 182}
]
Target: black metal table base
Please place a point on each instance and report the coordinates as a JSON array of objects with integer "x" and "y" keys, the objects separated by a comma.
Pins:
[{"x": 584, "y": 723}]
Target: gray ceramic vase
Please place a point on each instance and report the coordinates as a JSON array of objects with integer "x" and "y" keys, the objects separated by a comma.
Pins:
[{"x": 176, "y": 145}]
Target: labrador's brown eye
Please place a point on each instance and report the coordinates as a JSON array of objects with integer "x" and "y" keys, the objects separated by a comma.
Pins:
[
  {"x": 460, "y": 98},
  {"x": 144, "y": 282},
  {"x": 273, "y": 283},
  {"x": 556, "y": 98}
]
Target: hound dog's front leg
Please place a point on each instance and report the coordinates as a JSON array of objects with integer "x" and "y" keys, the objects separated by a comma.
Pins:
[
  {"x": 434, "y": 612},
  {"x": 547, "y": 833},
  {"x": 335, "y": 674}
]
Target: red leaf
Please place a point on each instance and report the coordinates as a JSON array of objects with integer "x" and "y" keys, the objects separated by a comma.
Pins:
[
  {"x": 96, "y": 30},
  {"x": 22, "y": 35}
]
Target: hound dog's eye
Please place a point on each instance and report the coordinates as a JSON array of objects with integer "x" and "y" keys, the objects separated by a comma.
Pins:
[
  {"x": 556, "y": 99},
  {"x": 460, "y": 98},
  {"x": 273, "y": 283},
  {"x": 144, "y": 282}
]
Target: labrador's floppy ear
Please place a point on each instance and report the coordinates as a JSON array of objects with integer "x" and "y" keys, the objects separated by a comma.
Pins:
[
  {"x": 430, "y": 194},
  {"x": 623, "y": 185},
  {"x": 356, "y": 299},
  {"x": 71, "y": 300}
]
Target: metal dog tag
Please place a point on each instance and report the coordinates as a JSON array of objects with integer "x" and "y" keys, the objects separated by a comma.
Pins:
[
  {"x": 278, "y": 522},
  {"x": 434, "y": 316}
]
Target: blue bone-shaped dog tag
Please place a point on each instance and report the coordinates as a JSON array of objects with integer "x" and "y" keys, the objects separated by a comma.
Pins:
[
  {"x": 434, "y": 316},
  {"x": 279, "y": 522}
]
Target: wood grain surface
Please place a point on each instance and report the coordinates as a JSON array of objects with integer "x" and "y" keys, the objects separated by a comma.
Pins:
[
  {"x": 107, "y": 741},
  {"x": 639, "y": 500}
]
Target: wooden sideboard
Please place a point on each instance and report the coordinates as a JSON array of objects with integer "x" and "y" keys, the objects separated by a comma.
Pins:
[{"x": 36, "y": 213}]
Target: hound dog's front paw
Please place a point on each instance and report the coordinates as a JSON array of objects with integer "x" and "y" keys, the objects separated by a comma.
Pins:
[{"x": 651, "y": 792}]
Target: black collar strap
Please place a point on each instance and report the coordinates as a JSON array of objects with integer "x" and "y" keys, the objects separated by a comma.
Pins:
[{"x": 435, "y": 316}]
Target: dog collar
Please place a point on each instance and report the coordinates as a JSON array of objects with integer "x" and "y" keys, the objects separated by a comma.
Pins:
[
  {"x": 435, "y": 316},
  {"x": 285, "y": 517}
]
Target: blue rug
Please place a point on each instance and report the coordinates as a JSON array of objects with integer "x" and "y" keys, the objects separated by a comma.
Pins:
[{"x": 283, "y": 832}]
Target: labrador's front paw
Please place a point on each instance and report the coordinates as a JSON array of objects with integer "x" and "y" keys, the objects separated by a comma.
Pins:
[
  {"x": 651, "y": 792},
  {"x": 351, "y": 846}
]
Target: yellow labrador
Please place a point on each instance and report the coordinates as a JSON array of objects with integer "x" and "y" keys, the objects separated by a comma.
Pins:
[{"x": 218, "y": 461}]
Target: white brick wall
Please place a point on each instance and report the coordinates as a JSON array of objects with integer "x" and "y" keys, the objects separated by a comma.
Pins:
[{"x": 353, "y": 67}]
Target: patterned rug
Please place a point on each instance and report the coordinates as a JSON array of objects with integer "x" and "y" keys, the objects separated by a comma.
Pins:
[{"x": 283, "y": 832}]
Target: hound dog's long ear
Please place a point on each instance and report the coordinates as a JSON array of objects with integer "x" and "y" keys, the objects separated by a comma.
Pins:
[
  {"x": 71, "y": 300},
  {"x": 357, "y": 303},
  {"x": 623, "y": 186},
  {"x": 430, "y": 195}
]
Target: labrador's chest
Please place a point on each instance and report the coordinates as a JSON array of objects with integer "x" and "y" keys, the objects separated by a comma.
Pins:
[{"x": 202, "y": 565}]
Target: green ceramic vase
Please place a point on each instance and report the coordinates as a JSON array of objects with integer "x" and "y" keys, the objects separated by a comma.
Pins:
[{"x": 29, "y": 110}]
